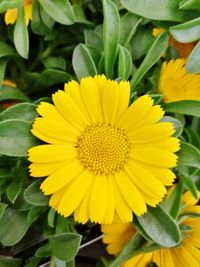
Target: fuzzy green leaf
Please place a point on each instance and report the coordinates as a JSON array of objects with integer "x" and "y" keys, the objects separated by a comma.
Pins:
[
  {"x": 111, "y": 28},
  {"x": 160, "y": 227},
  {"x": 10, "y": 262},
  {"x": 155, "y": 52},
  {"x": 3, "y": 207},
  {"x": 21, "y": 38},
  {"x": 189, "y": 4},
  {"x": 60, "y": 10},
  {"x": 189, "y": 155},
  {"x": 186, "y": 32},
  {"x": 82, "y": 62},
  {"x": 193, "y": 61},
  {"x": 6, "y": 50},
  {"x": 124, "y": 63},
  {"x": 190, "y": 184},
  {"x": 34, "y": 196},
  {"x": 3, "y": 63},
  {"x": 187, "y": 107}
]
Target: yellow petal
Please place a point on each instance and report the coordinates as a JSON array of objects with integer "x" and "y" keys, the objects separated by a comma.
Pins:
[
  {"x": 154, "y": 157},
  {"x": 28, "y": 13},
  {"x": 124, "y": 98},
  {"x": 98, "y": 199},
  {"x": 139, "y": 261},
  {"x": 151, "y": 133},
  {"x": 166, "y": 258},
  {"x": 109, "y": 101},
  {"x": 56, "y": 197},
  {"x": 11, "y": 16},
  {"x": 61, "y": 178},
  {"x": 135, "y": 112},
  {"x": 122, "y": 209},
  {"x": 110, "y": 208},
  {"x": 150, "y": 187},
  {"x": 91, "y": 98},
  {"x": 184, "y": 257},
  {"x": 130, "y": 193},
  {"x": 74, "y": 193},
  {"x": 45, "y": 169},
  {"x": 69, "y": 110},
  {"x": 52, "y": 153}
]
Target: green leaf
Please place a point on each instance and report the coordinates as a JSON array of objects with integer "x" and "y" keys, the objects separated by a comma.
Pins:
[
  {"x": 187, "y": 107},
  {"x": 51, "y": 218},
  {"x": 21, "y": 38},
  {"x": 189, "y": 155},
  {"x": 172, "y": 203},
  {"x": 65, "y": 246},
  {"x": 35, "y": 213},
  {"x": 11, "y": 93},
  {"x": 34, "y": 196},
  {"x": 192, "y": 136},
  {"x": 111, "y": 27},
  {"x": 128, "y": 25},
  {"x": 13, "y": 226},
  {"x": 54, "y": 63},
  {"x": 60, "y": 10},
  {"x": 3, "y": 207},
  {"x": 44, "y": 251},
  {"x": 33, "y": 263},
  {"x": 160, "y": 227},
  {"x": 3, "y": 63},
  {"x": 6, "y": 50},
  {"x": 124, "y": 63},
  {"x": 16, "y": 138},
  {"x": 10, "y": 262},
  {"x": 189, "y": 4},
  {"x": 23, "y": 111},
  {"x": 82, "y": 62},
  {"x": 80, "y": 15},
  {"x": 193, "y": 61},
  {"x": 92, "y": 38},
  {"x": 14, "y": 189},
  {"x": 186, "y": 32},
  {"x": 190, "y": 184},
  {"x": 155, "y": 52},
  {"x": 157, "y": 10}
]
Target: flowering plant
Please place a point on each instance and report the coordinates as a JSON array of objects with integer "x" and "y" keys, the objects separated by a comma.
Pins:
[{"x": 99, "y": 133}]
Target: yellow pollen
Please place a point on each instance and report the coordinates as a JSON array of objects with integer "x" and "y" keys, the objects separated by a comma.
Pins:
[{"x": 103, "y": 149}]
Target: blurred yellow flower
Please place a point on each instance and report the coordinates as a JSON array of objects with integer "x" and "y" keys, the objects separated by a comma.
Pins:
[
  {"x": 11, "y": 14},
  {"x": 103, "y": 156},
  {"x": 176, "y": 84},
  {"x": 186, "y": 254}
]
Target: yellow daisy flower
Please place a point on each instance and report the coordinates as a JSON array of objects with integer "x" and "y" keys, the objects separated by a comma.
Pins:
[
  {"x": 11, "y": 14},
  {"x": 186, "y": 254},
  {"x": 176, "y": 83},
  {"x": 103, "y": 156}
]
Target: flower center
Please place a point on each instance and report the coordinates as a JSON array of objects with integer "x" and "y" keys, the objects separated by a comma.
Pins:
[{"x": 103, "y": 149}]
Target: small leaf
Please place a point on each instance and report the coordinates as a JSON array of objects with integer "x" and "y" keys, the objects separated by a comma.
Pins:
[
  {"x": 193, "y": 61},
  {"x": 189, "y": 155},
  {"x": 24, "y": 111},
  {"x": 124, "y": 63},
  {"x": 157, "y": 10},
  {"x": 155, "y": 52},
  {"x": 6, "y": 50},
  {"x": 10, "y": 262},
  {"x": 92, "y": 38},
  {"x": 34, "y": 196},
  {"x": 172, "y": 203},
  {"x": 35, "y": 213},
  {"x": 54, "y": 63},
  {"x": 13, "y": 226},
  {"x": 189, "y": 4},
  {"x": 3, "y": 63},
  {"x": 82, "y": 62},
  {"x": 11, "y": 93},
  {"x": 111, "y": 26},
  {"x": 3, "y": 207},
  {"x": 16, "y": 138},
  {"x": 65, "y": 246},
  {"x": 186, "y": 32},
  {"x": 21, "y": 38},
  {"x": 190, "y": 184},
  {"x": 60, "y": 10},
  {"x": 187, "y": 107},
  {"x": 33, "y": 263},
  {"x": 128, "y": 25},
  {"x": 160, "y": 227},
  {"x": 14, "y": 190},
  {"x": 44, "y": 251},
  {"x": 51, "y": 218}
]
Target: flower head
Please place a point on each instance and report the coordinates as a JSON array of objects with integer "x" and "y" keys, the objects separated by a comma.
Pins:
[
  {"x": 103, "y": 156},
  {"x": 176, "y": 83},
  {"x": 11, "y": 14},
  {"x": 186, "y": 254}
]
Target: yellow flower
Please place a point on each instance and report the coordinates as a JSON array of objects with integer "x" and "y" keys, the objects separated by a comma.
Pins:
[
  {"x": 103, "y": 156},
  {"x": 176, "y": 83},
  {"x": 186, "y": 254},
  {"x": 11, "y": 14}
]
